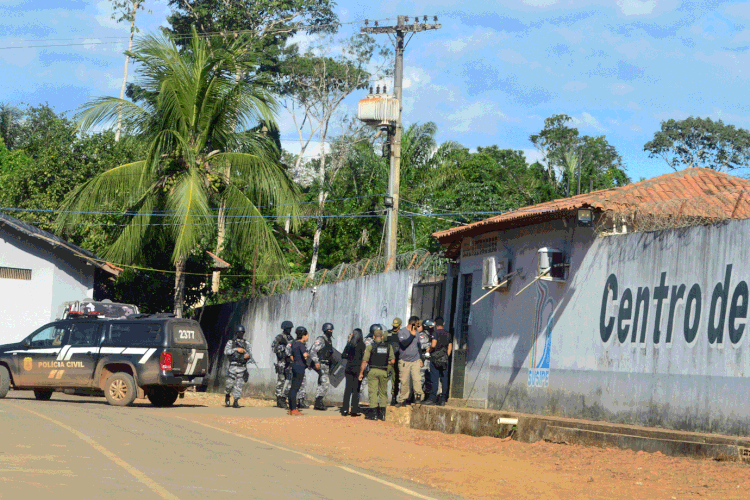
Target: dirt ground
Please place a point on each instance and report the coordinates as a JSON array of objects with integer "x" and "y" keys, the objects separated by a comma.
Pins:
[{"x": 488, "y": 467}]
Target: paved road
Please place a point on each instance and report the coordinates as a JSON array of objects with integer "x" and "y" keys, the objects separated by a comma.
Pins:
[{"x": 75, "y": 447}]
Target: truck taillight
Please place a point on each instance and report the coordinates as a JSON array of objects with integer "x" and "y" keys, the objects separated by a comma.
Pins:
[{"x": 166, "y": 361}]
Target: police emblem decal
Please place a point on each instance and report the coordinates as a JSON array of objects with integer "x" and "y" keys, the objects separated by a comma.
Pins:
[{"x": 27, "y": 364}]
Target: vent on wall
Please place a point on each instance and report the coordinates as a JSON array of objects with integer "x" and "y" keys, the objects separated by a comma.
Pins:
[{"x": 11, "y": 273}]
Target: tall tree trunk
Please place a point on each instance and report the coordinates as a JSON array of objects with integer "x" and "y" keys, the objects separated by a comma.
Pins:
[
  {"x": 322, "y": 195},
  {"x": 221, "y": 230},
  {"x": 221, "y": 235},
  {"x": 179, "y": 287},
  {"x": 125, "y": 71}
]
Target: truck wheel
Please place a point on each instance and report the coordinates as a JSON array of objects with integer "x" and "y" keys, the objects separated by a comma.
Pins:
[
  {"x": 43, "y": 394},
  {"x": 4, "y": 381},
  {"x": 120, "y": 389},
  {"x": 163, "y": 396}
]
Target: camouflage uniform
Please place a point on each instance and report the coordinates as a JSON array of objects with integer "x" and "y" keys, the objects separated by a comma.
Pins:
[
  {"x": 322, "y": 345},
  {"x": 425, "y": 340},
  {"x": 237, "y": 370},
  {"x": 283, "y": 364}
]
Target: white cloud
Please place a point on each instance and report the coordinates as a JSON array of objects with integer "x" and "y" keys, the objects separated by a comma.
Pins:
[
  {"x": 637, "y": 50},
  {"x": 620, "y": 88},
  {"x": 633, "y": 105},
  {"x": 574, "y": 86},
  {"x": 539, "y": 3},
  {"x": 479, "y": 39},
  {"x": 635, "y": 128},
  {"x": 532, "y": 155},
  {"x": 587, "y": 120},
  {"x": 636, "y": 7},
  {"x": 479, "y": 117},
  {"x": 511, "y": 56}
]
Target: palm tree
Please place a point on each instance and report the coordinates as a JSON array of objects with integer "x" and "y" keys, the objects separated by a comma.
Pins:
[{"x": 199, "y": 178}]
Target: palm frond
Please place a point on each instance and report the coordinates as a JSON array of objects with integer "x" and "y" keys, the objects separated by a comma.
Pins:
[
  {"x": 188, "y": 201},
  {"x": 262, "y": 178},
  {"x": 128, "y": 247},
  {"x": 248, "y": 230},
  {"x": 116, "y": 189}
]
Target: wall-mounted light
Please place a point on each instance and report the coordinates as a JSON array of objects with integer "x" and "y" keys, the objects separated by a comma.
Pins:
[
  {"x": 388, "y": 201},
  {"x": 585, "y": 217}
]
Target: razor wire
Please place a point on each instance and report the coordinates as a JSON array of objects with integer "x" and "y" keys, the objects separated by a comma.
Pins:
[
  {"x": 420, "y": 260},
  {"x": 717, "y": 208}
]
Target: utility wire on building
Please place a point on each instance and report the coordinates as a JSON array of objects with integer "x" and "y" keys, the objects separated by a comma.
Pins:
[{"x": 394, "y": 130}]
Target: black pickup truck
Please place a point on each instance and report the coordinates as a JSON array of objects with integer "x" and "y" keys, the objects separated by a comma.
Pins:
[{"x": 154, "y": 356}]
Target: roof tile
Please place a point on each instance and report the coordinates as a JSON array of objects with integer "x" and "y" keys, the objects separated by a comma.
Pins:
[{"x": 693, "y": 184}]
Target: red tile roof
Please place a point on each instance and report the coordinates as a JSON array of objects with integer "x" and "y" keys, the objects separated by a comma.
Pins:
[{"x": 696, "y": 192}]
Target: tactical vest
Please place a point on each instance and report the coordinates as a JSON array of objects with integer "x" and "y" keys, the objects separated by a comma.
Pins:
[
  {"x": 379, "y": 355},
  {"x": 326, "y": 353},
  {"x": 238, "y": 358}
]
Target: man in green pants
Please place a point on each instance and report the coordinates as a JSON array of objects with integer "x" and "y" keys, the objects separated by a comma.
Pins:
[{"x": 380, "y": 356}]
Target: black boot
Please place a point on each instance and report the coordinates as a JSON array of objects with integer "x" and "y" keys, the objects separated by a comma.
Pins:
[
  {"x": 319, "y": 404},
  {"x": 281, "y": 402},
  {"x": 381, "y": 413},
  {"x": 393, "y": 400},
  {"x": 227, "y": 402},
  {"x": 302, "y": 404},
  {"x": 236, "y": 403}
]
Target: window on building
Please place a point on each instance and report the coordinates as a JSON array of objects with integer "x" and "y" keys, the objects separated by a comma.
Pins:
[{"x": 12, "y": 273}]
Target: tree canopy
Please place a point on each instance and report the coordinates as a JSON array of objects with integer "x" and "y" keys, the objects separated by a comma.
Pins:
[{"x": 700, "y": 142}]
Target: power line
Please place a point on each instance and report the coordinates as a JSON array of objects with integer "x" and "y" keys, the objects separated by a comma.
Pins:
[{"x": 124, "y": 38}]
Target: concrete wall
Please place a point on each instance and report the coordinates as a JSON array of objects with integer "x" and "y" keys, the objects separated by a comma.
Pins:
[
  {"x": 573, "y": 349},
  {"x": 349, "y": 304},
  {"x": 55, "y": 278}
]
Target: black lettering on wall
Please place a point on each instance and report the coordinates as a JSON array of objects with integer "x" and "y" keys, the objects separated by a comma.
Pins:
[
  {"x": 678, "y": 293},
  {"x": 721, "y": 292},
  {"x": 660, "y": 293},
  {"x": 626, "y": 308},
  {"x": 642, "y": 297},
  {"x": 738, "y": 311},
  {"x": 692, "y": 308},
  {"x": 605, "y": 329}
]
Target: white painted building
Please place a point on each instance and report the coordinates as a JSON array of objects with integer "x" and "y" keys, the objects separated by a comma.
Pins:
[{"x": 38, "y": 272}]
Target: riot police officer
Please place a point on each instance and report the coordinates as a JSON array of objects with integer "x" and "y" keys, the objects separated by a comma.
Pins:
[
  {"x": 391, "y": 337},
  {"x": 322, "y": 356},
  {"x": 239, "y": 355},
  {"x": 283, "y": 362},
  {"x": 425, "y": 341}
]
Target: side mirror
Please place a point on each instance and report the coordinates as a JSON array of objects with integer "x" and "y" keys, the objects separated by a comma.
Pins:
[{"x": 26, "y": 343}]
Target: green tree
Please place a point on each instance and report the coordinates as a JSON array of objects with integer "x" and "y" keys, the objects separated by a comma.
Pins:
[
  {"x": 125, "y": 10},
  {"x": 700, "y": 142},
  {"x": 313, "y": 86},
  {"x": 574, "y": 162},
  {"x": 51, "y": 160},
  {"x": 190, "y": 166},
  {"x": 10, "y": 117}
]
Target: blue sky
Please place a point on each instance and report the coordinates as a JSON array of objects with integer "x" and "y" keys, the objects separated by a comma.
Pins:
[{"x": 489, "y": 76}]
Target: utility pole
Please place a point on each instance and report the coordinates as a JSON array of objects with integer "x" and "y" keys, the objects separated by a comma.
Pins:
[{"x": 394, "y": 133}]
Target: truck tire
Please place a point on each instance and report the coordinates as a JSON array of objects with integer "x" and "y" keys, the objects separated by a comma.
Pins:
[
  {"x": 4, "y": 381},
  {"x": 43, "y": 394},
  {"x": 163, "y": 396},
  {"x": 120, "y": 389}
]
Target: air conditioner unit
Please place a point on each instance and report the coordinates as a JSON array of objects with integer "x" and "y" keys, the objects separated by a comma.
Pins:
[
  {"x": 552, "y": 266},
  {"x": 492, "y": 270}
]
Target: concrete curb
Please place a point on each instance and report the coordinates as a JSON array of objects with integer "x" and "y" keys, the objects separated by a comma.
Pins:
[{"x": 532, "y": 428}]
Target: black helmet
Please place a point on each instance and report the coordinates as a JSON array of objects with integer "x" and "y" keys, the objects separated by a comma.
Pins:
[
  {"x": 300, "y": 332},
  {"x": 428, "y": 324},
  {"x": 239, "y": 331},
  {"x": 286, "y": 325},
  {"x": 327, "y": 327},
  {"x": 376, "y": 326}
]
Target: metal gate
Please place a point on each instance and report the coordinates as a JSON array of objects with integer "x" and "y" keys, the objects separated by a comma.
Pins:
[{"x": 427, "y": 299}]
